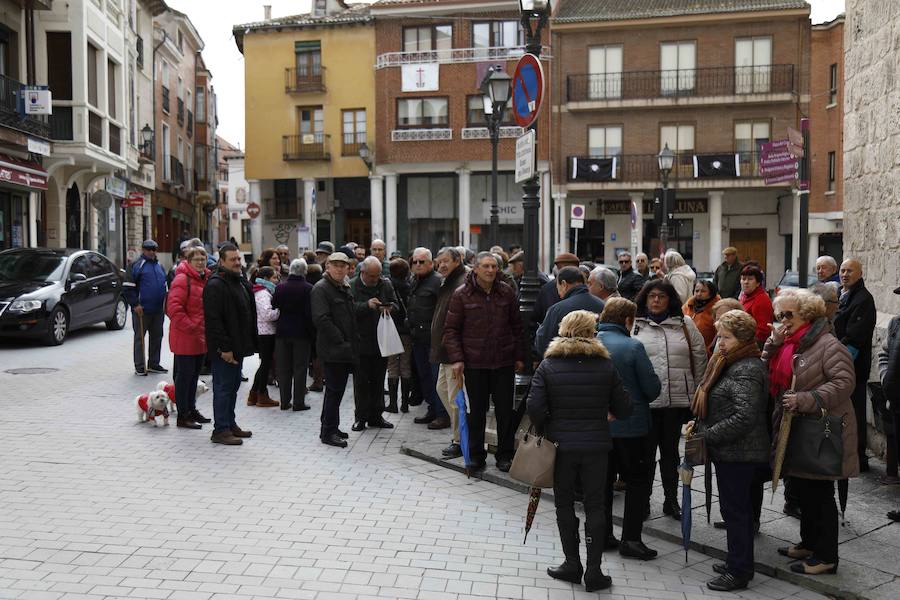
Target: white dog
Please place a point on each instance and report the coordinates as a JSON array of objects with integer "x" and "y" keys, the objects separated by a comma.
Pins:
[
  {"x": 152, "y": 405},
  {"x": 169, "y": 389}
]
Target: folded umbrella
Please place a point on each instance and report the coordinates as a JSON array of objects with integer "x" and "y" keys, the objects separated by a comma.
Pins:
[
  {"x": 687, "y": 474},
  {"x": 463, "y": 429},
  {"x": 843, "y": 489},
  {"x": 784, "y": 432},
  {"x": 534, "y": 498},
  {"x": 707, "y": 486}
]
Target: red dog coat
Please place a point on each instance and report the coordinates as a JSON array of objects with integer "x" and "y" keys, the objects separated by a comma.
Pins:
[{"x": 152, "y": 413}]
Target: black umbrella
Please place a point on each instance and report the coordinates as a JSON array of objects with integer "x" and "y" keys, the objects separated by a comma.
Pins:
[
  {"x": 707, "y": 484},
  {"x": 843, "y": 485}
]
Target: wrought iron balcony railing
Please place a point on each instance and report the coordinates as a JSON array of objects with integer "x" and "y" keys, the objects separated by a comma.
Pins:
[
  {"x": 454, "y": 55},
  {"x": 306, "y": 146},
  {"x": 9, "y": 110},
  {"x": 298, "y": 80},
  {"x": 716, "y": 81}
]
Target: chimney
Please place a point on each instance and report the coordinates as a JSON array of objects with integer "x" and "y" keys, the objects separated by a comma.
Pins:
[{"x": 267, "y": 11}]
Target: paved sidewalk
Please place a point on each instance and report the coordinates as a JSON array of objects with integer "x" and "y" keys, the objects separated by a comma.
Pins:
[
  {"x": 869, "y": 542},
  {"x": 96, "y": 507}
]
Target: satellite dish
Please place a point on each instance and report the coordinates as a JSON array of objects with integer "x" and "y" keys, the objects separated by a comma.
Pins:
[{"x": 101, "y": 200}]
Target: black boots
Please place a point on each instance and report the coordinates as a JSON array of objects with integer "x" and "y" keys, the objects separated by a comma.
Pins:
[
  {"x": 571, "y": 569},
  {"x": 406, "y": 390},
  {"x": 393, "y": 384},
  {"x": 595, "y": 539},
  {"x": 671, "y": 508}
]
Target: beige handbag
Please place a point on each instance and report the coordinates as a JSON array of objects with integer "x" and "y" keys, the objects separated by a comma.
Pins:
[{"x": 534, "y": 459}]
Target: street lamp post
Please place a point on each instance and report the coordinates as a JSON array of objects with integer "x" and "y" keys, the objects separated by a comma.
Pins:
[
  {"x": 534, "y": 16},
  {"x": 495, "y": 94},
  {"x": 666, "y": 160}
]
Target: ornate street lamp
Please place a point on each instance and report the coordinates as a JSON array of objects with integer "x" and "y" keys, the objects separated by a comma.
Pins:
[
  {"x": 666, "y": 159},
  {"x": 147, "y": 140},
  {"x": 365, "y": 155},
  {"x": 495, "y": 88},
  {"x": 535, "y": 14}
]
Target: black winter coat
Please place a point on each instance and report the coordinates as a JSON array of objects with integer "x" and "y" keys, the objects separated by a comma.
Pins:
[
  {"x": 572, "y": 392},
  {"x": 366, "y": 317},
  {"x": 229, "y": 315},
  {"x": 402, "y": 289},
  {"x": 337, "y": 338},
  {"x": 547, "y": 297},
  {"x": 854, "y": 325},
  {"x": 456, "y": 278},
  {"x": 293, "y": 298},
  {"x": 889, "y": 366},
  {"x": 630, "y": 283},
  {"x": 423, "y": 299},
  {"x": 735, "y": 428}
]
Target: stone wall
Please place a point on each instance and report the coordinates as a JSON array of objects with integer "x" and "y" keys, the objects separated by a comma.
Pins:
[{"x": 872, "y": 152}]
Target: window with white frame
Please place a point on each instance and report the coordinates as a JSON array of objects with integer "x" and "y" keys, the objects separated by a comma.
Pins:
[
  {"x": 748, "y": 135},
  {"x": 677, "y": 64},
  {"x": 605, "y": 142},
  {"x": 166, "y": 153},
  {"x": 679, "y": 137},
  {"x": 605, "y": 69},
  {"x": 427, "y": 38},
  {"x": 752, "y": 65},
  {"x": 422, "y": 112}
]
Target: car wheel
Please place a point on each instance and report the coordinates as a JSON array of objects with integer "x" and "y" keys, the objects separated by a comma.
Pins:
[
  {"x": 57, "y": 327},
  {"x": 120, "y": 316}
]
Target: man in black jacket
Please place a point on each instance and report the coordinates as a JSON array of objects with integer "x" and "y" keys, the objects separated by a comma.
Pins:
[
  {"x": 854, "y": 325},
  {"x": 548, "y": 295},
  {"x": 630, "y": 281},
  {"x": 423, "y": 299},
  {"x": 337, "y": 342},
  {"x": 450, "y": 266},
  {"x": 373, "y": 297},
  {"x": 229, "y": 312},
  {"x": 574, "y": 296}
]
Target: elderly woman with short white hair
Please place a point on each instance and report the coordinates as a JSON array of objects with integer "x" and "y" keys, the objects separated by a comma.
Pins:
[{"x": 679, "y": 274}]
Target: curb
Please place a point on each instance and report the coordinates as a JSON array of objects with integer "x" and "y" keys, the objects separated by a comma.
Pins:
[{"x": 818, "y": 585}]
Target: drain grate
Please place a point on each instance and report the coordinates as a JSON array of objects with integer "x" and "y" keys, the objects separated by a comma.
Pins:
[{"x": 31, "y": 371}]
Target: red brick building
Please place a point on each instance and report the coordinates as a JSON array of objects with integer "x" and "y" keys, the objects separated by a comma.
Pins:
[
  {"x": 708, "y": 80},
  {"x": 826, "y": 196},
  {"x": 433, "y": 154}
]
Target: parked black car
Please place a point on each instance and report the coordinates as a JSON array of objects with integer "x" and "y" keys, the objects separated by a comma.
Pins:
[{"x": 47, "y": 293}]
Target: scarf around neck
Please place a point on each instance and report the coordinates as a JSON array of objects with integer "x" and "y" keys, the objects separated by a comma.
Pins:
[
  {"x": 781, "y": 366},
  {"x": 266, "y": 284},
  {"x": 658, "y": 319},
  {"x": 719, "y": 361}
]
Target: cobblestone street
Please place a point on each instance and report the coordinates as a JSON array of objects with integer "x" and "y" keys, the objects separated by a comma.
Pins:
[{"x": 96, "y": 506}]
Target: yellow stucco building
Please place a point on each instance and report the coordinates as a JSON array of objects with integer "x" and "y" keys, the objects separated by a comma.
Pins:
[{"x": 310, "y": 107}]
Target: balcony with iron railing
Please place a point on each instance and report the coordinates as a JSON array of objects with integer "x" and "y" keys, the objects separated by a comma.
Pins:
[
  {"x": 176, "y": 171},
  {"x": 632, "y": 168},
  {"x": 165, "y": 99},
  {"x": 190, "y": 124},
  {"x": 454, "y": 56},
  {"x": 351, "y": 143},
  {"x": 180, "y": 111},
  {"x": 298, "y": 80},
  {"x": 767, "y": 83},
  {"x": 306, "y": 146},
  {"x": 9, "y": 110}
]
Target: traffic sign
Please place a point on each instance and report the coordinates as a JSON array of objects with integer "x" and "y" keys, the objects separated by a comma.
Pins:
[
  {"x": 133, "y": 200},
  {"x": 527, "y": 90},
  {"x": 776, "y": 146},
  {"x": 577, "y": 211},
  {"x": 784, "y": 178},
  {"x": 525, "y": 156},
  {"x": 253, "y": 210},
  {"x": 777, "y": 160},
  {"x": 777, "y": 171},
  {"x": 577, "y": 224}
]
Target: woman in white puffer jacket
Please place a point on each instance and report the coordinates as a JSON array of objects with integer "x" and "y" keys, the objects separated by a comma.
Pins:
[
  {"x": 680, "y": 275},
  {"x": 678, "y": 353},
  {"x": 266, "y": 316}
]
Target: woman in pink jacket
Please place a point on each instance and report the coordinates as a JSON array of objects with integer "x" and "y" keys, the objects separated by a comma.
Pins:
[
  {"x": 187, "y": 337},
  {"x": 266, "y": 316}
]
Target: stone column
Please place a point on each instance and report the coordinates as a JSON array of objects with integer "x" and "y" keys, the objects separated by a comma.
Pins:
[
  {"x": 377, "y": 207},
  {"x": 559, "y": 209},
  {"x": 390, "y": 212},
  {"x": 637, "y": 232},
  {"x": 465, "y": 218},
  {"x": 715, "y": 228},
  {"x": 55, "y": 227},
  {"x": 547, "y": 256},
  {"x": 33, "y": 214},
  {"x": 309, "y": 210}
]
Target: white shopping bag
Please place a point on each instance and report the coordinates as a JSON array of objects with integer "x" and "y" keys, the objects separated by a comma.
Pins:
[{"x": 388, "y": 339}]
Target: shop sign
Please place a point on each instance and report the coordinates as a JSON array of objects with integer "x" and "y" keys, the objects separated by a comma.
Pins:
[
  {"x": 133, "y": 200},
  {"x": 27, "y": 179},
  {"x": 116, "y": 187},
  {"x": 696, "y": 206},
  {"x": 38, "y": 100},
  {"x": 39, "y": 147}
]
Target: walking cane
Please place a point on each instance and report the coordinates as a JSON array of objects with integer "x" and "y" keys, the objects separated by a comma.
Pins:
[{"x": 143, "y": 350}]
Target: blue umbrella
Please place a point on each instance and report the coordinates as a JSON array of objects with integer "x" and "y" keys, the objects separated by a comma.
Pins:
[
  {"x": 687, "y": 474},
  {"x": 463, "y": 428}
]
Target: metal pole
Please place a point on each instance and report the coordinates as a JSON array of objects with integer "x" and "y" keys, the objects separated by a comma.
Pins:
[
  {"x": 494, "y": 127},
  {"x": 575, "y": 249},
  {"x": 803, "y": 258},
  {"x": 664, "y": 226},
  {"x": 530, "y": 287}
]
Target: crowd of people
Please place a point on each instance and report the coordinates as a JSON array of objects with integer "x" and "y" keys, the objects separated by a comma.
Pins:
[{"x": 625, "y": 364}]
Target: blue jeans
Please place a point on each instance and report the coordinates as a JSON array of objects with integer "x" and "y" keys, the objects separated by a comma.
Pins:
[
  {"x": 428, "y": 376},
  {"x": 225, "y": 384}
]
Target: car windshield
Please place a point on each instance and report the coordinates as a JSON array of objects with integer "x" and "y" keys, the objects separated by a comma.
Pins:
[{"x": 28, "y": 266}]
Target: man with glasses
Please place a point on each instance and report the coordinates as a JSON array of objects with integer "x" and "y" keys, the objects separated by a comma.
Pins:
[
  {"x": 642, "y": 266},
  {"x": 284, "y": 255},
  {"x": 728, "y": 275},
  {"x": 423, "y": 299},
  {"x": 147, "y": 300},
  {"x": 630, "y": 281}
]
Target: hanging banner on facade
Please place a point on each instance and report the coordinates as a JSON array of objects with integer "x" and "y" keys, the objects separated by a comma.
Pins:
[{"x": 421, "y": 77}]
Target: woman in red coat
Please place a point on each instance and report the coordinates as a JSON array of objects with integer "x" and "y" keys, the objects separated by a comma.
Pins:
[
  {"x": 187, "y": 337},
  {"x": 756, "y": 301}
]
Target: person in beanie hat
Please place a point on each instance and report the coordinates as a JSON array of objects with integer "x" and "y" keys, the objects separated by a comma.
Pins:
[{"x": 147, "y": 299}]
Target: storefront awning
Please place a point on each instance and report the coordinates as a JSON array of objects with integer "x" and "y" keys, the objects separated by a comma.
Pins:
[{"x": 26, "y": 173}]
